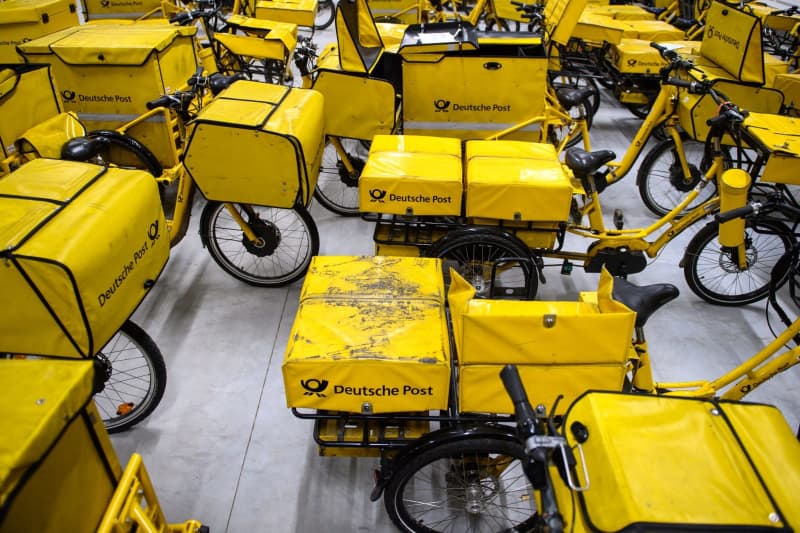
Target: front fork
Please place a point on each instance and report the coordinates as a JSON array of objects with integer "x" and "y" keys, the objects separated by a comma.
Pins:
[{"x": 243, "y": 225}]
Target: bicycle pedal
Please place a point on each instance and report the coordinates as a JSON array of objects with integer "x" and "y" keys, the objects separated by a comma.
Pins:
[
  {"x": 619, "y": 219},
  {"x": 124, "y": 408},
  {"x": 566, "y": 267}
]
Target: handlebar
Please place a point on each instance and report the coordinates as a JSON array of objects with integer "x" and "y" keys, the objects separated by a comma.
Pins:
[
  {"x": 739, "y": 212},
  {"x": 527, "y": 423}
]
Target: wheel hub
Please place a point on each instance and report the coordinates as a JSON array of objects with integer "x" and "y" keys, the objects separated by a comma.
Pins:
[
  {"x": 473, "y": 499},
  {"x": 268, "y": 237},
  {"x": 348, "y": 178},
  {"x": 677, "y": 179},
  {"x": 728, "y": 263}
]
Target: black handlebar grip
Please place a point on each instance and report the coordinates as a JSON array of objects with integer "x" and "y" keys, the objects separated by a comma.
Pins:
[
  {"x": 739, "y": 212},
  {"x": 526, "y": 420},
  {"x": 677, "y": 82},
  {"x": 161, "y": 101},
  {"x": 180, "y": 18},
  {"x": 659, "y": 47}
]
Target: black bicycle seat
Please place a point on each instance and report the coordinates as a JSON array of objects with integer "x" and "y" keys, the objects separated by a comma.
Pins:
[
  {"x": 83, "y": 148},
  {"x": 645, "y": 300},
  {"x": 583, "y": 163},
  {"x": 569, "y": 97}
]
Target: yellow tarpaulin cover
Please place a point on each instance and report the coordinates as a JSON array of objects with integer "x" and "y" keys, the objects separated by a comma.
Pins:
[
  {"x": 358, "y": 39},
  {"x": 732, "y": 39},
  {"x": 516, "y": 180},
  {"x": 369, "y": 335},
  {"x": 27, "y": 98},
  {"x": 781, "y": 136},
  {"x": 82, "y": 246},
  {"x": 273, "y": 133},
  {"x": 411, "y": 174},
  {"x": 678, "y": 462}
]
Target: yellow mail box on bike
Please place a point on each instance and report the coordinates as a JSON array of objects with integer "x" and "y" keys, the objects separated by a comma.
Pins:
[
  {"x": 25, "y": 20},
  {"x": 81, "y": 247},
  {"x": 99, "y": 10},
  {"x": 300, "y": 12},
  {"x": 58, "y": 469},
  {"x": 27, "y": 97},
  {"x": 107, "y": 73},
  {"x": 258, "y": 143},
  {"x": 657, "y": 463},
  {"x": 732, "y": 39},
  {"x": 369, "y": 336},
  {"x": 781, "y": 136},
  {"x": 515, "y": 180},
  {"x": 558, "y": 347},
  {"x": 412, "y": 175}
]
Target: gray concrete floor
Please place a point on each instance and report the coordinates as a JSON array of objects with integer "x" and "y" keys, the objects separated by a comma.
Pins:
[{"x": 223, "y": 448}]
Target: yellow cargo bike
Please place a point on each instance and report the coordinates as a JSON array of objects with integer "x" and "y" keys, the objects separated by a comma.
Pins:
[
  {"x": 58, "y": 469},
  {"x": 430, "y": 79},
  {"x": 403, "y": 378},
  {"x": 253, "y": 150}
]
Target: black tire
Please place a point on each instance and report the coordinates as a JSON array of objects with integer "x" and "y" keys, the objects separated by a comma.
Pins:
[
  {"x": 146, "y": 158},
  {"x": 580, "y": 111},
  {"x": 337, "y": 189},
  {"x": 474, "y": 484},
  {"x": 137, "y": 382},
  {"x": 326, "y": 11},
  {"x": 472, "y": 255},
  {"x": 640, "y": 110},
  {"x": 660, "y": 178},
  {"x": 289, "y": 239},
  {"x": 712, "y": 274}
]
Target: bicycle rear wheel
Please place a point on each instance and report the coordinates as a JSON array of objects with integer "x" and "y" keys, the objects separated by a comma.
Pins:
[
  {"x": 474, "y": 484},
  {"x": 287, "y": 239},
  {"x": 713, "y": 274},
  {"x": 137, "y": 379},
  {"x": 326, "y": 10},
  {"x": 337, "y": 188}
]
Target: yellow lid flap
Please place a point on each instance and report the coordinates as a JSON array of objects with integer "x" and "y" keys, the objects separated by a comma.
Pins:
[
  {"x": 19, "y": 11},
  {"x": 34, "y": 192},
  {"x": 107, "y": 45},
  {"x": 560, "y": 17},
  {"x": 459, "y": 295},
  {"x": 359, "y": 42},
  {"x": 37, "y": 399},
  {"x": 778, "y": 133},
  {"x": 605, "y": 298},
  {"x": 245, "y": 103}
]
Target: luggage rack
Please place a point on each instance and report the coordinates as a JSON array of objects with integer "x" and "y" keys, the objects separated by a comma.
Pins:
[{"x": 424, "y": 231}]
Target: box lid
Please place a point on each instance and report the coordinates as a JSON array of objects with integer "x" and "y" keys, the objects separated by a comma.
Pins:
[
  {"x": 777, "y": 132},
  {"x": 414, "y": 156},
  {"x": 515, "y": 162},
  {"x": 32, "y": 194},
  {"x": 37, "y": 400},
  {"x": 107, "y": 44},
  {"x": 19, "y": 11}
]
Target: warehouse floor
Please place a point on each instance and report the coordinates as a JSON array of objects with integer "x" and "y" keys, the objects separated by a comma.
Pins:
[{"x": 223, "y": 448}]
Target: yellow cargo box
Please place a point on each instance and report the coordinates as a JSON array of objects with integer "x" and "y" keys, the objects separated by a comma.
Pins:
[
  {"x": 514, "y": 180},
  {"x": 273, "y": 134},
  {"x": 694, "y": 110},
  {"x": 781, "y": 136},
  {"x": 24, "y": 20},
  {"x": 789, "y": 85},
  {"x": 412, "y": 175},
  {"x": 560, "y": 347},
  {"x": 445, "y": 78},
  {"x": 651, "y": 30},
  {"x": 99, "y": 10},
  {"x": 27, "y": 98},
  {"x": 621, "y": 12},
  {"x": 369, "y": 336},
  {"x": 300, "y": 12},
  {"x": 107, "y": 73},
  {"x": 82, "y": 246},
  {"x": 635, "y": 56},
  {"x": 732, "y": 40},
  {"x": 398, "y": 11},
  {"x": 598, "y": 29},
  {"x": 724, "y": 465},
  {"x": 58, "y": 469}
]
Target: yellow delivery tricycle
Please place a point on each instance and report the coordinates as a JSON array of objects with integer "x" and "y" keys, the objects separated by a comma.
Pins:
[
  {"x": 400, "y": 378},
  {"x": 431, "y": 79}
]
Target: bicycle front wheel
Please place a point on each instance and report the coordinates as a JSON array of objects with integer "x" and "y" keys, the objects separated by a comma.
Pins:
[
  {"x": 138, "y": 378},
  {"x": 475, "y": 484},
  {"x": 337, "y": 187},
  {"x": 326, "y": 10},
  {"x": 286, "y": 240},
  {"x": 662, "y": 183},
  {"x": 713, "y": 274}
]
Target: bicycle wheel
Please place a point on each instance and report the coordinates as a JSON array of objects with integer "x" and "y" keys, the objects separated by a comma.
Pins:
[
  {"x": 137, "y": 380},
  {"x": 660, "y": 179},
  {"x": 476, "y": 484},
  {"x": 287, "y": 240},
  {"x": 582, "y": 111},
  {"x": 337, "y": 189},
  {"x": 474, "y": 254},
  {"x": 714, "y": 276},
  {"x": 326, "y": 10}
]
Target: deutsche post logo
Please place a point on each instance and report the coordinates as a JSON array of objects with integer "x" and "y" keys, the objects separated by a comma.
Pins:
[
  {"x": 441, "y": 105},
  {"x": 314, "y": 386},
  {"x": 105, "y": 3},
  {"x": 68, "y": 96},
  {"x": 152, "y": 231},
  {"x": 631, "y": 62},
  {"x": 377, "y": 195}
]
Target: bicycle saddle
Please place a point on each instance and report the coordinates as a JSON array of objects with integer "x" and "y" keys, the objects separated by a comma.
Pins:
[
  {"x": 645, "y": 300},
  {"x": 83, "y": 148},
  {"x": 569, "y": 97}
]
